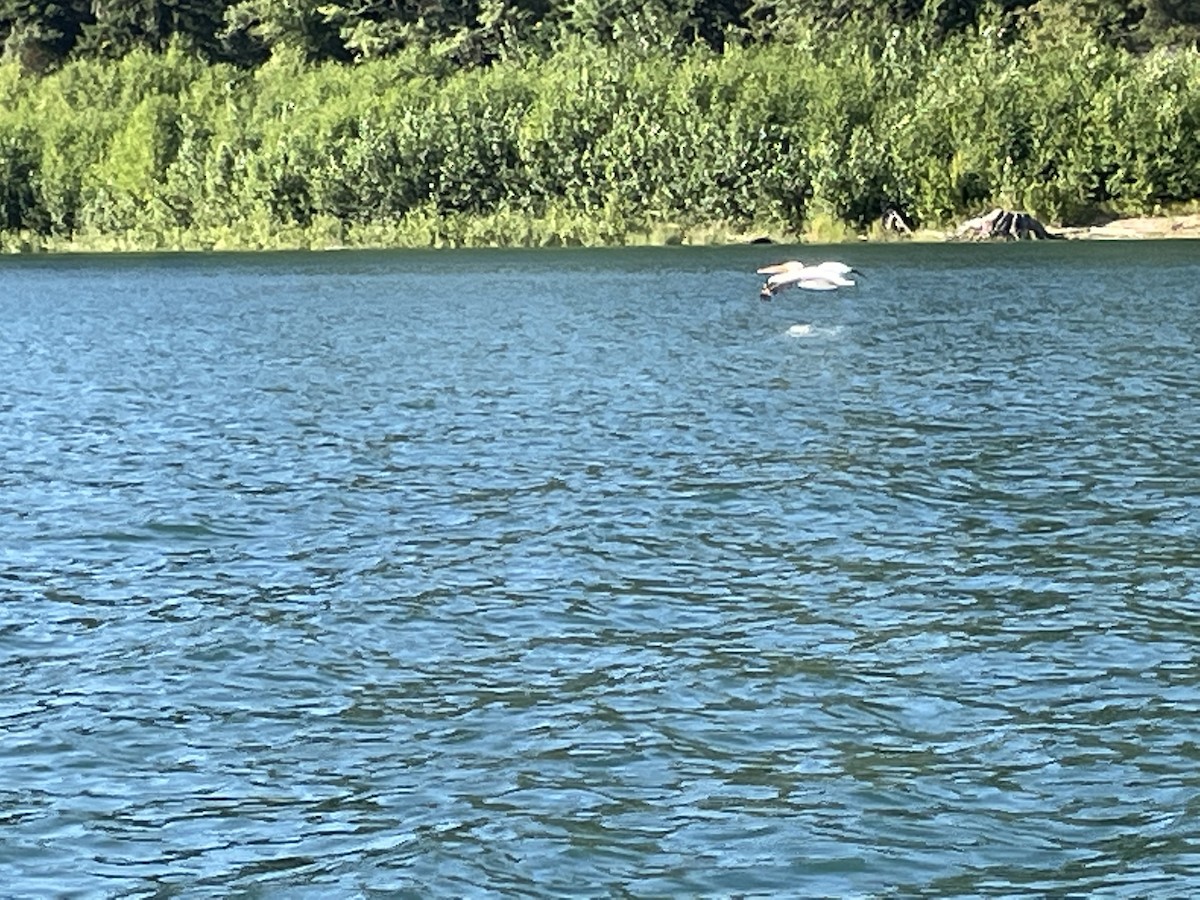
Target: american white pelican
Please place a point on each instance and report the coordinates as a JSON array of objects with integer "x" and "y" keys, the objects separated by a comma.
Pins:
[{"x": 826, "y": 276}]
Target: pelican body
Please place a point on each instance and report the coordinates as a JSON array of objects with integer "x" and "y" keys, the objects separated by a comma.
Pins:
[{"x": 826, "y": 276}]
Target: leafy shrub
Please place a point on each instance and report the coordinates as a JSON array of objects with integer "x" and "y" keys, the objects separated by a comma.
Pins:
[{"x": 808, "y": 133}]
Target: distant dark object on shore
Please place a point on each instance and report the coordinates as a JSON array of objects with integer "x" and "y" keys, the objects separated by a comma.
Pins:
[
  {"x": 896, "y": 220},
  {"x": 1005, "y": 224},
  {"x": 761, "y": 240}
]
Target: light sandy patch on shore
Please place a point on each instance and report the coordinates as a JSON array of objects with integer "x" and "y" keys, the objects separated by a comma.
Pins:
[{"x": 1153, "y": 227}]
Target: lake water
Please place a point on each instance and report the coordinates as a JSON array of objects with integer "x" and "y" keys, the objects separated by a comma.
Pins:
[{"x": 586, "y": 573}]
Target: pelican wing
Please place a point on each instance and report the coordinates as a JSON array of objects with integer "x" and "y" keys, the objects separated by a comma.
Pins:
[
  {"x": 785, "y": 273},
  {"x": 821, "y": 284},
  {"x": 781, "y": 268},
  {"x": 831, "y": 268}
]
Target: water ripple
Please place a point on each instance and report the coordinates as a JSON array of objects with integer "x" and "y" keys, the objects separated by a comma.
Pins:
[{"x": 315, "y": 587}]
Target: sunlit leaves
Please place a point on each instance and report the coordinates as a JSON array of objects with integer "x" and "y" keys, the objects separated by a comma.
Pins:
[{"x": 593, "y": 143}]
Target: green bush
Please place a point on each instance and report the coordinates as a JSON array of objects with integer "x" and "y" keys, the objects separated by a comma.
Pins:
[{"x": 809, "y": 133}]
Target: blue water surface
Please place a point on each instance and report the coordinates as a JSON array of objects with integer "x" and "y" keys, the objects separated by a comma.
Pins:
[{"x": 586, "y": 573}]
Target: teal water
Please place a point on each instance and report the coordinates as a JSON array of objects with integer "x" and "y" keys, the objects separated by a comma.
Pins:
[{"x": 588, "y": 574}]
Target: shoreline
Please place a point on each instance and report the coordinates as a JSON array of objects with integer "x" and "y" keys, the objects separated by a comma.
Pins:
[
  {"x": 1121, "y": 228},
  {"x": 1127, "y": 228}
]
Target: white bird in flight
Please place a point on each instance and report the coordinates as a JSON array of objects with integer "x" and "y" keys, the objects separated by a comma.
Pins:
[{"x": 826, "y": 276}]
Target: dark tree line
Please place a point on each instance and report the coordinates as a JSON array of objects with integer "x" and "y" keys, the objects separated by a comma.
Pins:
[{"x": 44, "y": 33}]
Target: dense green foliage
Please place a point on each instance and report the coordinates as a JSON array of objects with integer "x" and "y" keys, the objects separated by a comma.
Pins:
[{"x": 642, "y": 122}]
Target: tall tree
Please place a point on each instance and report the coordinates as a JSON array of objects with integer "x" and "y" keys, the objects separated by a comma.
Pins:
[
  {"x": 1172, "y": 22},
  {"x": 255, "y": 28},
  {"x": 121, "y": 25},
  {"x": 41, "y": 33}
]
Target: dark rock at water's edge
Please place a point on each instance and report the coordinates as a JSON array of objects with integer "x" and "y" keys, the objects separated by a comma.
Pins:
[{"x": 1005, "y": 224}]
